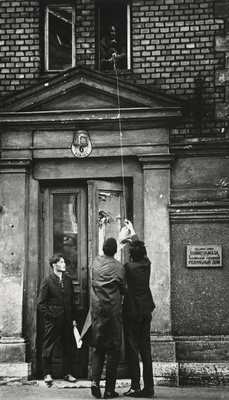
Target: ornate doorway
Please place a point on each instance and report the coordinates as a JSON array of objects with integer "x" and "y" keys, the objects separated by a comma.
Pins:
[{"x": 76, "y": 220}]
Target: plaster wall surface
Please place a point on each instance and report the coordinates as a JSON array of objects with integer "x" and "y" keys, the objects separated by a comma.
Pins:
[{"x": 199, "y": 295}]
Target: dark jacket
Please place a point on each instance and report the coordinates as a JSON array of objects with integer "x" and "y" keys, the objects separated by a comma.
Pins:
[
  {"x": 108, "y": 284},
  {"x": 54, "y": 302},
  {"x": 138, "y": 301}
]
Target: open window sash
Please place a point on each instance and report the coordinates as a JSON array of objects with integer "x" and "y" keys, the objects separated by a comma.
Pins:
[{"x": 59, "y": 37}]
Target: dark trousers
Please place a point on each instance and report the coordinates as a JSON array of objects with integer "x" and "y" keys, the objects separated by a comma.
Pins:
[
  {"x": 55, "y": 329},
  {"x": 137, "y": 340},
  {"x": 98, "y": 360}
]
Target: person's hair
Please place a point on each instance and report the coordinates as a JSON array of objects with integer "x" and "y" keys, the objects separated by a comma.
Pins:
[
  {"x": 110, "y": 247},
  {"x": 55, "y": 258},
  {"x": 137, "y": 250}
]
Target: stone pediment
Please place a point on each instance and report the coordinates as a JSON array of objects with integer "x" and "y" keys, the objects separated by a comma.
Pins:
[{"x": 83, "y": 89}]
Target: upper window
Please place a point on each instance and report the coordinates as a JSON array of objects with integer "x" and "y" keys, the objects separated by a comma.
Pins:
[
  {"x": 59, "y": 37},
  {"x": 114, "y": 35}
]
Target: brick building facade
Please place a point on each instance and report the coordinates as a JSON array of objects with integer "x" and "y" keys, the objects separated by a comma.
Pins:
[
  {"x": 173, "y": 44},
  {"x": 174, "y": 99}
]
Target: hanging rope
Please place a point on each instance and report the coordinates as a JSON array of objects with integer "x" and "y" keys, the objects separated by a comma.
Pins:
[{"x": 120, "y": 134}]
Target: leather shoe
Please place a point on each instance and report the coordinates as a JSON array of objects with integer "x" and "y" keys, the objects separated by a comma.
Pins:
[
  {"x": 95, "y": 390},
  {"x": 132, "y": 393},
  {"x": 147, "y": 393},
  {"x": 48, "y": 379},
  {"x": 110, "y": 395},
  {"x": 70, "y": 378}
]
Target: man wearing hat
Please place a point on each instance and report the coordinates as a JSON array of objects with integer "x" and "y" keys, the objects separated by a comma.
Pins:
[{"x": 108, "y": 286}]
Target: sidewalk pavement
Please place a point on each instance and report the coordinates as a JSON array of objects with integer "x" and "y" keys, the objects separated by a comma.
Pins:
[{"x": 60, "y": 390}]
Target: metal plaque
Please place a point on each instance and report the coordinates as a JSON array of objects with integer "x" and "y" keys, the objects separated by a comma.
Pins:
[{"x": 204, "y": 256}]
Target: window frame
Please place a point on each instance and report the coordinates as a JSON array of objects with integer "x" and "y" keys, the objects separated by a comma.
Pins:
[
  {"x": 46, "y": 35},
  {"x": 128, "y": 35}
]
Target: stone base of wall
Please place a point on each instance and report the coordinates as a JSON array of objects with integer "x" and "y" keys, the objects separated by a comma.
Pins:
[
  {"x": 163, "y": 349},
  {"x": 202, "y": 349},
  {"x": 12, "y": 350},
  {"x": 15, "y": 372},
  {"x": 165, "y": 374},
  {"x": 13, "y": 364},
  {"x": 190, "y": 360},
  {"x": 201, "y": 374},
  {"x": 189, "y": 374}
]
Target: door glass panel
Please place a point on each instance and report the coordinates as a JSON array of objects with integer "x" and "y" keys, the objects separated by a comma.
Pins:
[
  {"x": 64, "y": 221},
  {"x": 109, "y": 217},
  {"x": 65, "y": 230}
]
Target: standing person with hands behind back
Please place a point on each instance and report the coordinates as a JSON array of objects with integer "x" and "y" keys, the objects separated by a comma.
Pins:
[
  {"x": 137, "y": 308},
  {"x": 56, "y": 302}
]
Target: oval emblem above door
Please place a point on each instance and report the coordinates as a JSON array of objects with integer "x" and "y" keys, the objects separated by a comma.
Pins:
[{"x": 81, "y": 145}]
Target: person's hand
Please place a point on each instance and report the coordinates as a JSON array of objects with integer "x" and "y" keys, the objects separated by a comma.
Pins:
[
  {"x": 74, "y": 323},
  {"x": 129, "y": 226}
]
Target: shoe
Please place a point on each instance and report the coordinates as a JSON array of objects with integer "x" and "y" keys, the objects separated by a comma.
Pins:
[
  {"x": 95, "y": 390},
  {"x": 132, "y": 393},
  {"x": 147, "y": 393},
  {"x": 48, "y": 379},
  {"x": 110, "y": 395},
  {"x": 70, "y": 378}
]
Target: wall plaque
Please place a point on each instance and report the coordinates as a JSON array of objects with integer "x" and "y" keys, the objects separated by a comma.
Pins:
[
  {"x": 81, "y": 145},
  {"x": 204, "y": 256}
]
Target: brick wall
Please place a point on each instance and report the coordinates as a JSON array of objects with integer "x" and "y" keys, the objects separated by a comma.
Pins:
[
  {"x": 19, "y": 44},
  {"x": 176, "y": 49},
  {"x": 85, "y": 33},
  {"x": 222, "y": 76}
]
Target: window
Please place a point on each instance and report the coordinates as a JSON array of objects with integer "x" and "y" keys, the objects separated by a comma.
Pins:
[
  {"x": 113, "y": 34},
  {"x": 59, "y": 37}
]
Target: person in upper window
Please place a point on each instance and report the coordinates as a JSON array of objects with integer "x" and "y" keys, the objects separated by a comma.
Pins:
[{"x": 112, "y": 51}]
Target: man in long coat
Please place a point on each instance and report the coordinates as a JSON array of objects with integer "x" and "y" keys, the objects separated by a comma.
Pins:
[
  {"x": 56, "y": 302},
  {"x": 137, "y": 308},
  {"x": 108, "y": 284}
]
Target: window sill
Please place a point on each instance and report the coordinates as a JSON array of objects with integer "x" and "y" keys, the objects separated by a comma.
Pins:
[
  {"x": 120, "y": 72},
  {"x": 49, "y": 74}
]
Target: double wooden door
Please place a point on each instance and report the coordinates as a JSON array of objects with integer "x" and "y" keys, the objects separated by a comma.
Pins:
[{"x": 76, "y": 219}]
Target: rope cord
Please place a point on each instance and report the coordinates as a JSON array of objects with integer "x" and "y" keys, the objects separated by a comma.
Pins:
[{"x": 120, "y": 138}]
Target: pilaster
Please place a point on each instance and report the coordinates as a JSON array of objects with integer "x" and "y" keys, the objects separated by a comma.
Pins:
[
  {"x": 13, "y": 262},
  {"x": 156, "y": 176}
]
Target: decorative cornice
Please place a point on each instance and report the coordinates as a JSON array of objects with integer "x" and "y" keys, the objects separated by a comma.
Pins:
[
  {"x": 131, "y": 117},
  {"x": 14, "y": 166},
  {"x": 199, "y": 212},
  {"x": 157, "y": 160}
]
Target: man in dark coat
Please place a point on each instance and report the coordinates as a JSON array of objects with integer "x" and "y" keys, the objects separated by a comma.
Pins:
[
  {"x": 137, "y": 308},
  {"x": 56, "y": 302},
  {"x": 108, "y": 284}
]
